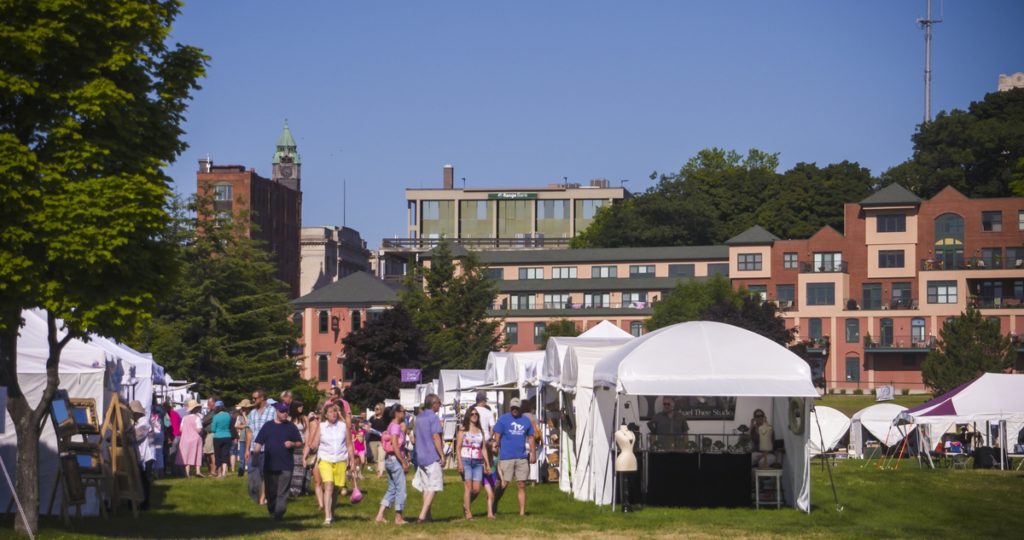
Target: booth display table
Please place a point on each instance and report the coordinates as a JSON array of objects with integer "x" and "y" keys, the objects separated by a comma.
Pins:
[
  {"x": 697, "y": 479},
  {"x": 775, "y": 492}
]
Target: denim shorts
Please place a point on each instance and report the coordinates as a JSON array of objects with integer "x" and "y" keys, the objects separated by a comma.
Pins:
[{"x": 474, "y": 469}]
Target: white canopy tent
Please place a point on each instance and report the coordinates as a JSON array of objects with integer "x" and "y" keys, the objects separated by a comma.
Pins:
[
  {"x": 606, "y": 329},
  {"x": 878, "y": 420},
  {"x": 550, "y": 372},
  {"x": 827, "y": 426},
  {"x": 495, "y": 372},
  {"x": 457, "y": 385},
  {"x": 705, "y": 358}
]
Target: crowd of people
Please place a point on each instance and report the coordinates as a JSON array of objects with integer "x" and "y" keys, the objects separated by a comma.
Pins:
[{"x": 287, "y": 451}]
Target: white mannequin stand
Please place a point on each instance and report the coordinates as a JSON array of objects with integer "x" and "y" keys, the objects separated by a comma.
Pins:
[{"x": 625, "y": 463}]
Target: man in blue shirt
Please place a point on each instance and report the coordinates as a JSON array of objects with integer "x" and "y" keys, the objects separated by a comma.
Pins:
[
  {"x": 276, "y": 442},
  {"x": 514, "y": 434},
  {"x": 429, "y": 450}
]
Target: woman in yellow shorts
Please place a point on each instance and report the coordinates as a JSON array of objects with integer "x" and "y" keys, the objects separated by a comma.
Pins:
[{"x": 334, "y": 450}]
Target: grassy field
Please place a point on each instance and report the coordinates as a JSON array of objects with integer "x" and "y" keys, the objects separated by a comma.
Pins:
[
  {"x": 909, "y": 503},
  {"x": 850, "y": 404}
]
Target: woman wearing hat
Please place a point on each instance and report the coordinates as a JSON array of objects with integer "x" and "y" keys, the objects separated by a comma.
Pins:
[
  {"x": 190, "y": 449},
  {"x": 241, "y": 423},
  {"x": 220, "y": 430}
]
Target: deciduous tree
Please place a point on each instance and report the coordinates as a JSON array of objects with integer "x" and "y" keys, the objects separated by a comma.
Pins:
[
  {"x": 376, "y": 353},
  {"x": 557, "y": 327},
  {"x": 968, "y": 346}
]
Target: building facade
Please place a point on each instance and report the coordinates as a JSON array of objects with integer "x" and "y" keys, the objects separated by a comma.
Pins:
[
  {"x": 1009, "y": 82},
  {"x": 329, "y": 254},
  {"x": 271, "y": 208}
]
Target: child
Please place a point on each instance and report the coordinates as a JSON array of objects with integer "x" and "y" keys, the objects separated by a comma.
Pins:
[
  {"x": 491, "y": 479},
  {"x": 359, "y": 443}
]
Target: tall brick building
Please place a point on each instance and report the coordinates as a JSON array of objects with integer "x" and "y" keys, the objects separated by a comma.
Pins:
[{"x": 271, "y": 207}]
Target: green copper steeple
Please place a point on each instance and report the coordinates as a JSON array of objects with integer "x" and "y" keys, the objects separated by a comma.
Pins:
[{"x": 286, "y": 146}]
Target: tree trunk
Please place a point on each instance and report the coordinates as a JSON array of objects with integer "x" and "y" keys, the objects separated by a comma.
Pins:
[{"x": 27, "y": 428}]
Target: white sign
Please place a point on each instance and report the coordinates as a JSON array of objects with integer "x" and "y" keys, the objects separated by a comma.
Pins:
[{"x": 885, "y": 393}]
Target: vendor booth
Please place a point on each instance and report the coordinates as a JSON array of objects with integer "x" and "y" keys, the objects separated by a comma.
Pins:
[
  {"x": 873, "y": 426},
  {"x": 827, "y": 427},
  {"x": 716, "y": 377}
]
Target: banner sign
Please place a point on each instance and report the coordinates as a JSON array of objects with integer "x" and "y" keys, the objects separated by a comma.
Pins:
[
  {"x": 886, "y": 392},
  {"x": 511, "y": 195},
  {"x": 410, "y": 375}
]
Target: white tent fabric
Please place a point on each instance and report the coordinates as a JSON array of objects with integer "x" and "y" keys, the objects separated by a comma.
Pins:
[
  {"x": 495, "y": 370},
  {"x": 878, "y": 420},
  {"x": 993, "y": 397},
  {"x": 137, "y": 381},
  {"x": 606, "y": 329},
  {"x": 703, "y": 358},
  {"x": 554, "y": 355},
  {"x": 524, "y": 368},
  {"x": 826, "y": 426},
  {"x": 407, "y": 397}
]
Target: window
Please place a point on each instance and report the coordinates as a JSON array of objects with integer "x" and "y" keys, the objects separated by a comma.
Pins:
[
  {"x": 718, "y": 269},
  {"x": 636, "y": 328},
  {"x": 374, "y": 314},
  {"x": 890, "y": 258},
  {"x": 494, "y": 273},
  {"x": 431, "y": 210},
  {"x": 871, "y": 295},
  {"x": 554, "y": 209},
  {"x": 747, "y": 262},
  {"x": 1020, "y": 220},
  {"x": 828, "y": 262},
  {"x": 852, "y": 330},
  {"x": 321, "y": 367},
  {"x": 917, "y": 330},
  {"x": 604, "y": 272},
  {"x": 222, "y": 192},
  {"x": 852, "y": 369},
  {"x": 902, "y": 295},
  {"x": 885, "y": 337},
  {"x": 557, "y": 301},
  {"x": 634, "y": 299},
  {"x": 891, "y": 223},
  {"x": 680, "y": 270},
  {"x": 1014, "y": 257},
  {"x": 641, "y": 270},
  {"x": 991, "y": 258},
  {"x": 597, "y": 300},
  {"x": 786, "y": 295},
  {"x": 322, "y": 320},
  {"x": 949, "y": 242},
  {"x": 531, "y": 273},
  {"x": 563, "y": 272},
  {"x": 523, "y": 301},
  {"x": 759, "y": 291},
  {"x": 357, "y": 319},
  {"x": 992, "y": 221},
  {"x": 789, "y": 260},
  {"x": 814, "y": 328},
  {"x": 512, "y": 333},
  {"x": 538, "y": 332},
  {"x": 941, "y": 292},
  {"x": 821, "y": 294}
]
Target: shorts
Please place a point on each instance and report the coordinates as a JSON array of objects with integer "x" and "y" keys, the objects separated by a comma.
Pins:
[
  {"x": 333, "y": 473},
  {"x": 491, "y": 479},
  {"x": 517, "y": 470},
  {"x": 473, "y": 470},
  {"x": 429, "y": 478}
]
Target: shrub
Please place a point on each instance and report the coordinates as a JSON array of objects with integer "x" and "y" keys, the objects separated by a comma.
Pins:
[
  {"x": 858, "y": 392},
  {"x": 842, "y": 391},
  {"x": 905, "y": 392},
  {"x": 832, "y": 391}
]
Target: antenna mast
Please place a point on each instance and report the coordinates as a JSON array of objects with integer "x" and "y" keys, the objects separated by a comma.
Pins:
[{"x": 927, "y": 23}]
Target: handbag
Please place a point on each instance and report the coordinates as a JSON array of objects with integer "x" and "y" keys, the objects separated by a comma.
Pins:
[{"x": 356, "y": 495}]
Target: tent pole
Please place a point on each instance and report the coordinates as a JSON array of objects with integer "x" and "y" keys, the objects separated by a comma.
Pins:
[{"x": 614, "y": 451}]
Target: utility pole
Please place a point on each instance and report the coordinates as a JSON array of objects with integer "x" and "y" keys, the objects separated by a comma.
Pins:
[{"x": 927, "y": 23}]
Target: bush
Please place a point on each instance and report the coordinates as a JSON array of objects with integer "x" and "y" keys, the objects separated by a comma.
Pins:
[
  {"x": 905, "y": 392},
  {"x": 832, "y": 391},
  {"x": 842, "y": 391},
  {"x": 874, "y": 391},
  {"x": 858, "y": 392}
]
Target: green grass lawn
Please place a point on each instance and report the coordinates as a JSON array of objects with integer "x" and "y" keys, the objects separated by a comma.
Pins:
[
  {"x": 909, "y": 503},
  {"x": 850, "y": 404}
]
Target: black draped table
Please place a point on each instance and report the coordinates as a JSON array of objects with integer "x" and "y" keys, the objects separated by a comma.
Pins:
[{"x": 696, "y": 479}]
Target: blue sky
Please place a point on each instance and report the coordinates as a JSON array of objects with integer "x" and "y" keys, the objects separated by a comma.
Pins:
[{"x": 382, "y": 94}]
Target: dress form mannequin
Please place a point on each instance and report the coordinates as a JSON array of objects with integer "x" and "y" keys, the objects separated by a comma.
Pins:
[
  {"x": 765, "y": 445},
  {"x": 625, "y": 463}
]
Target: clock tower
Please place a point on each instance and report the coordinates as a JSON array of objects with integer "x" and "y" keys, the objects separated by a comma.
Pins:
[{"x": 287, "y": 164}]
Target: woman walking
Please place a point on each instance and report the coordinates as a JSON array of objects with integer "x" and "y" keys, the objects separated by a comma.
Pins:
[
  {"x": 396, "y": 465},
  {"x": 241, "y": 428},
  {"x": 334, "y": 450},
  {"x": 298, "y": 485},
  {"x": 473, "y": 460},
  {"x": 309, "y": 455},
  {"x": 359, "y": 444},
  {"x": 220, "y": 430},
  {"x": 190, "y": 449}
]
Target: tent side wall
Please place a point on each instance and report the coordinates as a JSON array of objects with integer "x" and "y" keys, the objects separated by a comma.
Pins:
[{"x": 796, "y": 463}]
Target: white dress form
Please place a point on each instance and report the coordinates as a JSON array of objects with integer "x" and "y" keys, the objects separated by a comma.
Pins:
[{"x": 626, "y": 460}]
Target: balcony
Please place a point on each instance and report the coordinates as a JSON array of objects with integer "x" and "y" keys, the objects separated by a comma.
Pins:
[
  {"x": 827, "y": 267},
  {"x": 816, "y": 345},
  {"x": 899, "y": 344},
  {"x": 572, "y": 309},
  {"x": 971, "y": 263},
  {"x": 897, "y": 303},
  {"x": 991, "y": 302},
  {"x": 527, "y": 241}
]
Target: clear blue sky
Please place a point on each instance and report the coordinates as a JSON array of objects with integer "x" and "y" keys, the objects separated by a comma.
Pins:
[{"x": 519, "y": 94}]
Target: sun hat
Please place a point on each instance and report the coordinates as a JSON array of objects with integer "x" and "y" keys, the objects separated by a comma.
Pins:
[
  {"x": 244, "y": 404},
  {"x": 192, "y": 405},
  {"x": 136, "y": 407}
]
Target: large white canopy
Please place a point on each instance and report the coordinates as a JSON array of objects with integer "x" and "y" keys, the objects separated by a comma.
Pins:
[
  {"x": 606, "y": 329},
  {"x": 524, "y": 367},
  {"x": 991, "y": 397},
  {"x": 827, "y": 427},
  {"x": 704, "y": 358},
  {"x": 878, "y": 420},
  {"x": 550, "y": 371},
  {"x": 495, "y": 371},
  {"x": 579, "y": 364}
]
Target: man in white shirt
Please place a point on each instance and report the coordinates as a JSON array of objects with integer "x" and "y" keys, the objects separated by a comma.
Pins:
[
  {"x": 486, "y": 414},
  {"x": 144, "y": 447}
]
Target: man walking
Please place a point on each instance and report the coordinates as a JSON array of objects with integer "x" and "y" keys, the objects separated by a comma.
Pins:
[
  {"x": 277, "y": 442},
  {"x": 514, "y": 434},
  {"x": 486, "y": 414},
  {"x": 260, "y": 415},
  {"x": 429, "y": 451}
]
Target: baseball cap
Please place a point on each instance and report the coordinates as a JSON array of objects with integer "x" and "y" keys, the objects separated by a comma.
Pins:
[
  {"x": 281, "y": 407},
  {"x": 219, "y": 403},
  {"x": 481, "y": 396},
  {"x": 514, "y": 403}
]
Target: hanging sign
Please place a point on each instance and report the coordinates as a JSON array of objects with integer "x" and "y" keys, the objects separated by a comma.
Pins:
[{"x": 410, "y": 375}]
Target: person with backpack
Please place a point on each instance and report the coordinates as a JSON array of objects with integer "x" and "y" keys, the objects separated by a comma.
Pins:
[{"x": 396, "y": 464}]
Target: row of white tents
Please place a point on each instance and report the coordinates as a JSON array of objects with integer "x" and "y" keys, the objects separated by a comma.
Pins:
[{"x": 95, "y": 368}]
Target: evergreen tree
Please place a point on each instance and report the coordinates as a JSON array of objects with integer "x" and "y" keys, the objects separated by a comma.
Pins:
[
  {"x": 448, "y": 303},
  {"x": 375, "y": 354},
  {"x": 557, "y": 327},
  {"x": 968, "y": 346}
]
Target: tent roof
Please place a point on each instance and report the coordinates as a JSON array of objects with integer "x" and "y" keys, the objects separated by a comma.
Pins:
[
  {"x": 494, "y": 371},
  {"x": 578, "y": 368},
  {"x": 833, "y": 425},
  {"x": 554, "y": 356},
  {"x": 606, "y": 329},
  {"x": 523, "y": 367},
  {"x": 33, "y": 349},
  {"x": 452, "y": 380},
  {"x": 991, "y": 397},
  {"x": 878, "y": 420},
  {"x": 704, "y": 358}
]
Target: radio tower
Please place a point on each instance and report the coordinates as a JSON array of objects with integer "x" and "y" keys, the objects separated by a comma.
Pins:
[{"x": 927, "y": 23}]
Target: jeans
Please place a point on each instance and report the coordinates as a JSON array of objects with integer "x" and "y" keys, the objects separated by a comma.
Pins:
[
  {"x": 474, "y": 469},
  {"x": 276, "y": 485},
  {"x": 396, "y": 484}
]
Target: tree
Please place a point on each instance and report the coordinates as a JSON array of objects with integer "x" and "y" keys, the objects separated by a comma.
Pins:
[
  {"x": 226, "y": 322},
  {"x": 689, "y": 300},
  {"x": 806, "y": 198},
  {"x": 375, "y": 354},
  {"x": 91, "y": 102},
  {"x": 449, "y": 306},
  {"x": 968, "y": 346},
  {"x": 557, "y": 327},
  {"x": 977, "y": 151},
  {"x": 752, "y": 314}
]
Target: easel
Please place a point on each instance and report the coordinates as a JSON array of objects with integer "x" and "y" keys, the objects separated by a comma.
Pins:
[
  {"x": 71, "y": 478},
  {"x": 124, "y": 460}
]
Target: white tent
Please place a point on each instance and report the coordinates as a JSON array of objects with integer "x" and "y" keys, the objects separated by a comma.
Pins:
[
  {"x": 710, "y": 359},
  {"x": 495, "y": 370},
  {"x": 137, "y": 381},
  {"x": 554, "y": 355},
  {"x": 457, "y": 385},
  {"x": 83, "y": 373},
  {"x": 524, "y": 368},
  {"x": 827, "y": 427},
  {"x": 606, "y": 329},
  {"x": 407, "y": 397},
  {"x": 878, "y": 420}
]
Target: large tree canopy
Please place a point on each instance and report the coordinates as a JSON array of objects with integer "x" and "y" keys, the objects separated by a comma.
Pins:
[
  {"x": 375, "y": 355},
  {"x": 91, "y": 102},
  {"x": 968, "y": 346}
]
